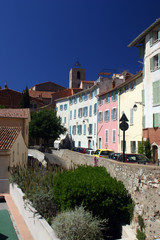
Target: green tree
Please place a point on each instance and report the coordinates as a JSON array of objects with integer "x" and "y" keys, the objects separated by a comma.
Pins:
[
  {"x": 1, "y": 106},
  {"x": 25, "y": 100},
  {"x": 46, "y": 125}
]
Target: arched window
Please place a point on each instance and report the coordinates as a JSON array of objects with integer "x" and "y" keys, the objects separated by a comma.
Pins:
[{"x": 78, "y": 75}]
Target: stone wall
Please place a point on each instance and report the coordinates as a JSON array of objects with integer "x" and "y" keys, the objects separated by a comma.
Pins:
[{"x": 142, "y": 182}]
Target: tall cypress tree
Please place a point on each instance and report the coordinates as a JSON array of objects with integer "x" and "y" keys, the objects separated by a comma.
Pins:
[{"x": 25, "y": 100}]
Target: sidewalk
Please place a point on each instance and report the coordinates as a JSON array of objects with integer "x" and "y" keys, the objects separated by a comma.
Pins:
[{"x": 20, "y": 224}]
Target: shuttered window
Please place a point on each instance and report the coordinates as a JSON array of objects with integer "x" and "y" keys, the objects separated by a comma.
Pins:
[
  {"x": 156, "y": 93},
  {"x": 143, "y": 97},
  {"x": 156, "y": 120}
]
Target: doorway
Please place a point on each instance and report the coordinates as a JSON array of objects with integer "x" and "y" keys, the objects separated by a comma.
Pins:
[{"x": 155, "y": 154}]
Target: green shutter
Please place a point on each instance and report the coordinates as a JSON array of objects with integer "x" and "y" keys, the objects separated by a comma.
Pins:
[
  {"x": 143, "y": 97},
  {"x": 151, "y": 64},
  {"x": 143, "y": 70},
  {"x": 143, "y": 122},
  {"x": 158, "y": 59},
  {"x": 156, "y": 91},
  {"x": 142, "y": 51},
  {"x": 156, "y": 117},
  {"x": 151, "y": 39}
]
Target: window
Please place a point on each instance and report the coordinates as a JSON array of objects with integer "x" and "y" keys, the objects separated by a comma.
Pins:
[
  {"x": 106, "y": 137},
  {"x": 85, "y": 111},
  {"x": 100, "y": 117},
  {"x": 95, "y": 128},
  {"x": 88, "y": 95},
  {"x": 133, "y": 146},
  {"x": 90, "y": 110},
  {"x": 92, "y": 94},
  {"x": 100, "y": 143},
  {"x": 74, "y": 113},
  {"x": 156, "y": 93},
  {"x": 79, "y": 143},
  {"x": 106, "y": 116},
  {"x": 80, "y": 112},
  {"x": 64, "y": 119},
  {"x": 114, "y": 96},
  {"x": 71, "y": 115},
  {"x": 95, "y": 108},
  {"x": 70, "y": 130},
  {"x": 107, "y": 98},
  {"x": 100, "y": 100},
  {"x": 78, "y": 75},
  {"x": 114, "y": 114},
  {"x": 83, "y": 97},
  {"x": 156, "y": 120},
  {"x": 61, "y": 107},
  {"x": 131, "y": 116},
  {"x": 84, "y": 129},
  {"x": 74, "y": 130},
  {"x": 155, "y": 62},
  {"x": 154, "y": 36},
  {"x": 114, "y": 135},
  {"x": 79, "y": 129},
  {"x": 65, "y": 106},
  {"x": 90, "y": 129}
]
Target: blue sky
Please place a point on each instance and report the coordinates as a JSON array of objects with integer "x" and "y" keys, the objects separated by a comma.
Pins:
[{"x": 40, "y": 40}]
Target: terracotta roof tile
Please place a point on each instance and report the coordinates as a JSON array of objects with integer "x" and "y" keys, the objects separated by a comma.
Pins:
[
  {"x": 40, "y": 94},
  {"x": 15, "y": 113},
  {"x": 8, "y": 136}
]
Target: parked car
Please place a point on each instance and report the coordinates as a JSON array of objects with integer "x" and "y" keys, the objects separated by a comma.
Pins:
[
  {"x": 105, "y": 153},
  {"x": 134, "y": 158},
  {"x": 114, "y": 156},
  {"x": 80, "y": 149},
  {"x": 90, "y": 151}
]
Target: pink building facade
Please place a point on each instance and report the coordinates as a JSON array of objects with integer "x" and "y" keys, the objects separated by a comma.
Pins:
[{"x": 108, "y": 120}]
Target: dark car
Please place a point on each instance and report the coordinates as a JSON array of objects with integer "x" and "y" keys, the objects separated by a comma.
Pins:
[
  {"x": 114, "y": 156},
  {"x": 134, "y": 158}
]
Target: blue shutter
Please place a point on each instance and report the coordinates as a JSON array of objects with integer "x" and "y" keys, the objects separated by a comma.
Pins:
[
  {"x": 115, "y": 113},
  {"x": 112, "y": 114}
]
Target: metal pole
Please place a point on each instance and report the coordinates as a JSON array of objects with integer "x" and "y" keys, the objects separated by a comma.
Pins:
[{"x": 123, "y": 146}]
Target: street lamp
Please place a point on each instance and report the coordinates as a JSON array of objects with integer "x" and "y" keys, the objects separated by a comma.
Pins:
[{"x": 135, "y": 105}]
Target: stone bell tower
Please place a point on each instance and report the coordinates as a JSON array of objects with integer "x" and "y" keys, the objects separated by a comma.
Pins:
[{"x": 76, "y": 75}]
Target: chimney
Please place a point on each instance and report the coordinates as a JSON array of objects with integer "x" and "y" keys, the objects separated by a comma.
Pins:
[{"x": 113, "y": 83}]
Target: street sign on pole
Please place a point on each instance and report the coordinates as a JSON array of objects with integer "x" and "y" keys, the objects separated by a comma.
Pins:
[{"x": 123, "y": 126}]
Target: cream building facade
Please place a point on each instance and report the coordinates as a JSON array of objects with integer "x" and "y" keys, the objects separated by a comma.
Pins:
[{"x": 130, "y": 103}]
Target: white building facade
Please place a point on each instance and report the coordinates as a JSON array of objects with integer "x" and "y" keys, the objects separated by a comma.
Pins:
[{"x": 149, "y": 44}]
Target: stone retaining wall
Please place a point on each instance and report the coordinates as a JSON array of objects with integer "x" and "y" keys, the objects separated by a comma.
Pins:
[{"x": 142, "y": 182}]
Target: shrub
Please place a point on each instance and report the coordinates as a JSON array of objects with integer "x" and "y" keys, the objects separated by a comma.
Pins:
[
  {"x": 140, "y": 235},
  {"x": 77, "y": 224},
  {"x": 92, "y": 186},
  {"x": 37, "y": 184},
  {"x": 102, "y": 195}
]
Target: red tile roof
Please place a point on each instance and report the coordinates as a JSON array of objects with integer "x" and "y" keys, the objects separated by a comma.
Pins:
[
  {"x": 40, "y": 94},
  {"x": 15, "y": 113},
  {"x": 8, "y": 135}
]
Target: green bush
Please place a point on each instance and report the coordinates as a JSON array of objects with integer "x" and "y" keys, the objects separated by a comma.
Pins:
[
  {"x": 140, "y": 235},
  {"x": 101, "y": 194},
  {"x": 78, "y": 224}
]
